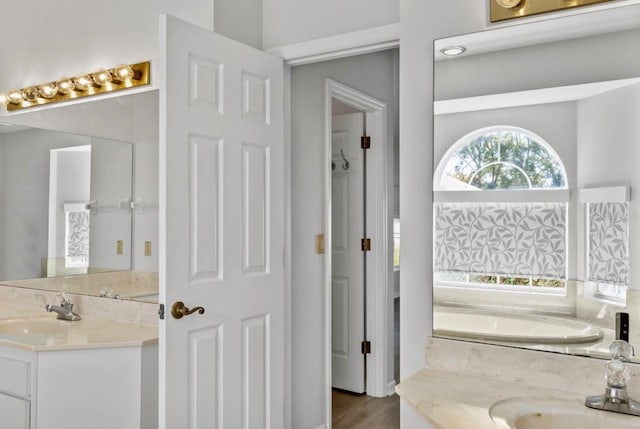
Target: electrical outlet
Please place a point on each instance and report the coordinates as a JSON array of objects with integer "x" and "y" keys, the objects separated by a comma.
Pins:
[
  {"x": 119, "y": 247},
  {"x": 147, "y": 248}
]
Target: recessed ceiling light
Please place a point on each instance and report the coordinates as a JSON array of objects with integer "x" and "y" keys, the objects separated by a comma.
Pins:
[{"x": 452, "y": 51}]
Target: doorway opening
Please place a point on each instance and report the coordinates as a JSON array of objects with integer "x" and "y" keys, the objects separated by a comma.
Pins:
[{"x": 359, "y": 277}]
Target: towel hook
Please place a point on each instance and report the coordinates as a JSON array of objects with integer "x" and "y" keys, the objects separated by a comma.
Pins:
[{"x": 345, "y": 165}]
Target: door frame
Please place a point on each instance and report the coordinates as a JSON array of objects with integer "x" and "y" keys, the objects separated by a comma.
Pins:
[{"x": 378, "y": 218}]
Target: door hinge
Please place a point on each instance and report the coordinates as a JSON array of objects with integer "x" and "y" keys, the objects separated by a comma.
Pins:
[
  {"x": 161, "y": 311},
  {"x": 365, "y": 142},
  {"x": 366, "y": 347},
  {"x": 365, "y": 244}
]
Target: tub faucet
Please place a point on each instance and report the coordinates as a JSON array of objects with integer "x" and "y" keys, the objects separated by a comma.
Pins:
[
  {"x": 615, "y": 396},
  {"x": 64, "y": 310}
]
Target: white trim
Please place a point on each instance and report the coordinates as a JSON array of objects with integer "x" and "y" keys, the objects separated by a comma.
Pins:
[
  {"x": 378, "y": 218},
  {"x": 288, "y": 376},
  {"x": 613, "y": 194},
  {"x": 391, "y": 388},
  {"x": 323, "y": 427},
  {"x": 503, "y": 196},
  {"x": 339, "y": 46},
  {"x": 529, "y": 97}
]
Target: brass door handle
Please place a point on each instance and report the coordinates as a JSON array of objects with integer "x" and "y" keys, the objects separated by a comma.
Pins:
[{"x": 178, "y": 310}]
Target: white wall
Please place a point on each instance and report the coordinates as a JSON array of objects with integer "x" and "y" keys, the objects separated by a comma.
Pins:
[
  {"x": 240, "y": 20},
  {"x": 111, "y": 185},
  {"x": 26, "y": 197},
  {"x": 70, "y": 37},
  {"x": 567, "y": 62},
  {"x": 145, "y": 180},
  {"x": 608, "y": 154},
  {"x": 307, "y": 107},
  {"x": 421, "y": 23},
  {"x": 293, "y": 21},
  {"x": 2, "y": 140}
]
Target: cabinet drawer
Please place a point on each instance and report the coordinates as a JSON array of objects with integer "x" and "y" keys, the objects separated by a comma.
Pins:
[
  {"x": 15, "y": 376},
  {"x": 14, "y": 412}
]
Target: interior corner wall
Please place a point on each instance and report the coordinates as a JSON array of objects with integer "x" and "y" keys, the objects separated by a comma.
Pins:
[
  {"x": 421, "y": 23},
  {"x": 286, "y": 22},
  {"x": 239, "y": 20},
  {"x": 608, "y": 154},
  {"x": 373, "y": 75}
]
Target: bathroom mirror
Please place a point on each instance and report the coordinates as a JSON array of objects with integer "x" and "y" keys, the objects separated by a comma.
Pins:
[
  {"x": 535, "y": 185},
  {"x": 78, "y": 192}
]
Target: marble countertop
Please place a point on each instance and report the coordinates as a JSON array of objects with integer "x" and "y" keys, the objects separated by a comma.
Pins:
[
  {"x": 33, "y": 329},
  {"x": 460, "y": 401}
]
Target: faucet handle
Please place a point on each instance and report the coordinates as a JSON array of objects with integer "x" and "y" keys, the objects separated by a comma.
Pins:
[
  {"x": 64, "y": 299},
  {"x": 617, "y": 374},
  {"x": 621, "y": 350}
]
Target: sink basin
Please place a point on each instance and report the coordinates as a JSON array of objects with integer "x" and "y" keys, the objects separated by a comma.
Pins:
[{"x": 558, "y": 413}]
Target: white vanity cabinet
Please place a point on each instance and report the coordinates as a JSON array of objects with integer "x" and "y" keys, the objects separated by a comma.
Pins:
[
  {"x": 16, "y": 387},
  {"x": 98, "y": 388}
]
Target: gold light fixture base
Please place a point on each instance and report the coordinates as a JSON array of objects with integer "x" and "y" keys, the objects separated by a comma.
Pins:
[
  {"x": 142, "y": 76},
  {"x": 501, "y": 10}
]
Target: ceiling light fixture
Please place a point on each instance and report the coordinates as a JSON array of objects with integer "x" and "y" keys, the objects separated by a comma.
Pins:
[
  {"x": 121, "y": 77},
  {"x": 452, "y": 51}
]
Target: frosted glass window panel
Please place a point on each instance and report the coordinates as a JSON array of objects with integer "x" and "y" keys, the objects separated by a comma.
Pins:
[
  {"x": 516, "y": 239},
  {"x": 77, "y": 239},
  {"x": 609, "y": 242}
]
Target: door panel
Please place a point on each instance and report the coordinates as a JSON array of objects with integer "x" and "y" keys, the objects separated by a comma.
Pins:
[
  {"x": 347, "y": 218},
  {"x": 221, "y": 232}
]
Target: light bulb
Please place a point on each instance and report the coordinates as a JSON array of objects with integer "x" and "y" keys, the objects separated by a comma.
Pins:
[
  {"x": 82, "y": 83},
  {"x": 101, "y": 77},
  {"x": 508, "y": 4},
  {"x": 30, "y": 94},
  {"x": 65, "y": 86},
  {"x": 123, "y": 72},
  {"x": 48, "y": 90},
  {"x": 3, "y": 100},
  {"x": 14, "y": 96},
  {"x": 452, "y": 51}
]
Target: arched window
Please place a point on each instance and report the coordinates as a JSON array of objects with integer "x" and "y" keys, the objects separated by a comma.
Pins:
[
  {"x": 504, "y": 240},
  {"x": 500, "y": 158}
]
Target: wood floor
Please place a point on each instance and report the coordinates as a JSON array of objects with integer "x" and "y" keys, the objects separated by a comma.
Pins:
[
  {"x": 365, "y": 412},
  {"x": 352, "y": 411}
]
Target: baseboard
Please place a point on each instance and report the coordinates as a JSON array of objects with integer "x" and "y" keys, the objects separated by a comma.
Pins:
[
  {"x": 322, "y": 426},
  {"x": 391, "y": 388}
]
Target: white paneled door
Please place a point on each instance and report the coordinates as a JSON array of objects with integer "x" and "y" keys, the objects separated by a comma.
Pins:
[
  {"x": 347, "y": 269},
  {"x": 221, "y": 232}
]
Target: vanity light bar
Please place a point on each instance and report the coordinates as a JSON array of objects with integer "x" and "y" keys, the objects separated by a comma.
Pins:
[
  {"x": 124, "y": 76},
  {"x": 509, "y": 9}
]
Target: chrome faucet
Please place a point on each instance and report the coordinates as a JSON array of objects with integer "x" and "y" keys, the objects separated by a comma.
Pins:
[
  {"x": 64, "y": 310},
  {"x": 615, "y": 396}
]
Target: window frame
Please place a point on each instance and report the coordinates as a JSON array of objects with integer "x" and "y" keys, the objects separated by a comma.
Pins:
[
  {"x": 520, "y": 195},
  {"x": 440, "y": 170}
]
